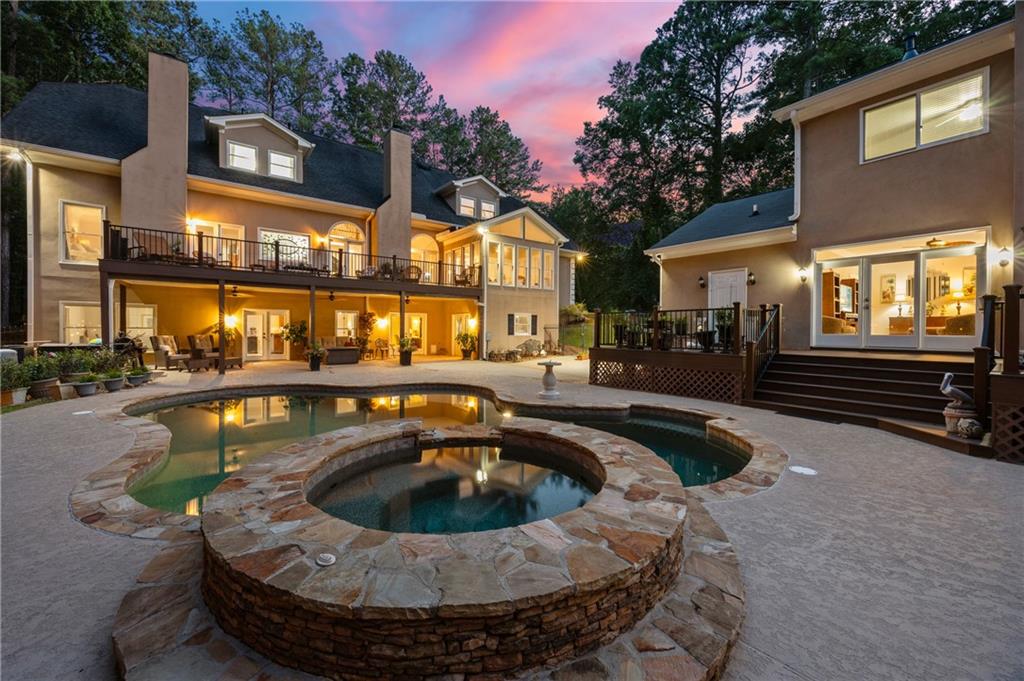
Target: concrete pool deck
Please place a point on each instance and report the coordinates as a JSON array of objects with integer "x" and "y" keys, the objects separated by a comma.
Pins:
[{"x": 898, "y": 560}]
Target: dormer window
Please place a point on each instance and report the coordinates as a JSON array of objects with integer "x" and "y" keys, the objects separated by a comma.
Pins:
[
  {"x": 242, "y": 156},
  {"x": 487, "y": 209},
  {"x": 467, "y": 206},
  {"x": 281, "y": 165}
]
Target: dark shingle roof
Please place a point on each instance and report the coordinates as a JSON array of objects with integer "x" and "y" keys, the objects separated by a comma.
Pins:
[
  {"x": 110, "y": 120},
  {"x": 732, "y": 218}
]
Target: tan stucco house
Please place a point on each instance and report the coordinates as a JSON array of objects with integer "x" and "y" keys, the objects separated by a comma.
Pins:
[
  {"x": 908, "y": 206},
  {"x": 144, "y": 209}
]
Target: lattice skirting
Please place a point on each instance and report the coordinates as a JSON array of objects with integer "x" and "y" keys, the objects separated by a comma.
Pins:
[
  {"x": 1008, "y": 432},
  {"x": 720, "y": 386}
]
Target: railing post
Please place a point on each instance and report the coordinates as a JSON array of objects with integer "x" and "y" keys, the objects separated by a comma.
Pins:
[
  {"x": 394, "y": 267},
  {"x": 1011, "y": 328},
  {"x": 106, "y": 239},
  {"x": 777, "y": 329},
  {"x": 597, "y": 328},
  {"x": 748, "y": 371},
  {"x": 199, "y": 248},
  {"x": 277, "y": 255},
  {"x": 737, "y": 330},
  {"x": 655, "y": 330},
  {"x": 341, "y": 262},
  {"x": 982, "y": 369},
  {"x": 441, "y": 279},
  {"x": 988, "y": 321}
]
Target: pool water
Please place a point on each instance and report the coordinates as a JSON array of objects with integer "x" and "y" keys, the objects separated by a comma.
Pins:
[
  {"x": 210, "y": 440},
  {"x": 453, "y": 489}
]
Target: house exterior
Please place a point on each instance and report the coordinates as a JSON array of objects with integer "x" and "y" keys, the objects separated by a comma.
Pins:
[
  {"x": 144, "y": 211},
  {"x": 908, "y": 206}
]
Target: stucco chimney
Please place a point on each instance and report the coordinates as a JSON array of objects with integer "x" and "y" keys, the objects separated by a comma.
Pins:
[
  {"x": 394, "y": 217},
  {"x": 153, "y": 189}
]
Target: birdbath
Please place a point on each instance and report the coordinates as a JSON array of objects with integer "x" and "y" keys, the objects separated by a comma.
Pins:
[{"x": 548, "y": 380}]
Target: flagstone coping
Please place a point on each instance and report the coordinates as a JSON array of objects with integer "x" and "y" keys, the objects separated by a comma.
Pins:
[
  {"x": 101, "y": 500},
  {"x": 164, "y": 630},
  {"x": 507, "y": 600}
]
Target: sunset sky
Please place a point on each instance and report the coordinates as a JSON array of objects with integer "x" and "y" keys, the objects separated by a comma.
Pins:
[{"x": 541, "y": 65}]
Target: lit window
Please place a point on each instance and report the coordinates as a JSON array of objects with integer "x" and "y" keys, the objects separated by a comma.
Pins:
[
  {"x": 943, "y": 113},
  {"x": 524, "y": 261},
  {"x": 81, "y": 322},
  {"x": 345, "y": 324},
  {"x": 549, "y": 269},
  {"x": 522, "y": 324},
  {"x": 508, "y": 265},
  {"x": 281, "y": 165},
  {"x": 493, "y": 264},
  {"x": 535, "y": 257},
  {"x": 82, "y": 232},
  {"x": 487, "y": 210},
  {"x": 242, "y": 156},
  {"x": 293, "y": 248},
  {"x": 467, "y": 206}
]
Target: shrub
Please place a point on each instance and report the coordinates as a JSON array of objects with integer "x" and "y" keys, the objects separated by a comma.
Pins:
[
  {"x": 113, "y": 373},
  {"x": 89, "y": 378},
  {"x": 138, "y": 371},
  {"x": 106, "y": 360},
  {"x": 295, "y": 332},
  {"x": 466, "y": 341},
  {"x": 13, "y": 375},
  {"x": 41, "y": 367},
  {"x": 74, "y": 362}
]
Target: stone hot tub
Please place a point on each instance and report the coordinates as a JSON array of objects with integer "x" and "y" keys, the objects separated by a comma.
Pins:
[{"x": 420, "y": 605}]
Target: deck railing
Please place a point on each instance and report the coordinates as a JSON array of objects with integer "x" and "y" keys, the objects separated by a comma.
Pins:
[
  {"x": 694, "y": 329},
  {"x": 762, "y": 344},
  {"x": 194, "y": 249},
  {"x": 1000, "y": 338}
]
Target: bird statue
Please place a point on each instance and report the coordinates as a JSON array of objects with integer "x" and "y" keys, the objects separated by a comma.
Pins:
[{"x": 959, "y": 397}]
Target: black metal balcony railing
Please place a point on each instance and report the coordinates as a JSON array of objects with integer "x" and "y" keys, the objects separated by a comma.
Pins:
[
  {"x": 704, "y": 329},
  {"x": 185, "y": 249}
]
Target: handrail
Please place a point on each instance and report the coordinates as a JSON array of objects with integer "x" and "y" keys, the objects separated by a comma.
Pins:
[
  {"x": 762, "y": 347},
  {"x": 185, "y": 249}
]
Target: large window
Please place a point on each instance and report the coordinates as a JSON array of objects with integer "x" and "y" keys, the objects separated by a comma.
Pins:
[
  {"x": 467, "y": 206},
  {"x": 549, "y": 269},
  {"x": 348, "y": 242},
  {"x": 487, "y": 209},
  {"x": 81, "y": 227},
  {"x": 942, "y": 113},
  {"x": 508, "y": 265},
  {"x": 81, "y": 322},
  {"x": 522, "y": 276},
  {"x": 281, "y": 165},
  {"x": 345, "y": 323},
  {"x": 242, "y": 156},
  {"x": 493, "y": 263},
  {"x": 535, "y": 267}
]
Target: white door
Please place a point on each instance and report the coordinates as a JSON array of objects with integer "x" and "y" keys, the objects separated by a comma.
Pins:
[
  {"x": 726, "y": 287},
  {"x": 264, "y": 334},
  {"x": 953, "y": 281},
  {"x": 838, "y": 293},
  {"x": 891, "y": 311}
]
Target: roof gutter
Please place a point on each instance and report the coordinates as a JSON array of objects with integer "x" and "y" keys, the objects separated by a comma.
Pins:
[{"x": 764, "y": 237}]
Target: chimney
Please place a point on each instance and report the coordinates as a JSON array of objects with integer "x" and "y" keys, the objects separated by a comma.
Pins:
[
  {"x": 394, "y": 217},
  {"x": 153, "y": 184},
  {"x": 909, "y": 46}
]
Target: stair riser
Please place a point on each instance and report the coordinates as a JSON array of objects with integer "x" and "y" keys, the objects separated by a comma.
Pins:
[
  {"x": 894, "y": 363},
  {"x": 889, "y": 410},
  {"x": 933, "y": 377},
  {"x": 926, "y": 389},
  {"x": 841, "y": 393}
]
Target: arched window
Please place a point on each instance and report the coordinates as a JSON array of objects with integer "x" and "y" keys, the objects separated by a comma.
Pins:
[
  {"x": 349, "y": 242},
  {"x": 423, "y": 247}
]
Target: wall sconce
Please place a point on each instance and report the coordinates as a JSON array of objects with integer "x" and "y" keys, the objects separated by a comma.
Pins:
[
  {"x": 382, "y": 322},
  {"x": 331, "y": 297},
  {"x": 15, "y": 156},
  {"x": 803, "y": 275},
  {"x": 751, "y": 279},
  {"x": 472, "y": 323},
  {"x": 701, "y": 282},
  {"x": 1004, "y": 257},
  {"x": 234, "y": 291},
  {"x": 230, "y": 321},
  {"x": 581, "y": 257}
]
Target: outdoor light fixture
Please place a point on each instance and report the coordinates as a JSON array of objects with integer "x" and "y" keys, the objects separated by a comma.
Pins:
[
  {"x": 331, "y": 297},
  {"x": 234, "y": 291},
  {"x": 472, "y": 323},
  {"x": 482, "y": 229},
  {"x": 700, "y": 281},
  {"x": 581, "y": 257},
  {"x": 1004, "y": 257},
  {"x": 751, "y": 279},
  {"x": 803, "y": 275},
  {"x": 382, "y": 323},
  {"x": 15, "y": 156},
  {"x": 230, "y": 321}
]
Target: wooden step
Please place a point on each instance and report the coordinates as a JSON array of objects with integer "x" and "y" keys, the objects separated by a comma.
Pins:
[
  {"x": 851, "y": 406},
  {"x": 897, "y": 361},
  {"x": 962, "y": 378},
  {"x": 882, "y": 384},
  {"x": 934, "y": 402},
  {"x": 818, "y": 414}
]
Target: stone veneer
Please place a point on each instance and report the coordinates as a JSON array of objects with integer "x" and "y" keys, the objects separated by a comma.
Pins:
[
  {"x": 101, "y": 500},
  {"x": 416, "y": 606}
]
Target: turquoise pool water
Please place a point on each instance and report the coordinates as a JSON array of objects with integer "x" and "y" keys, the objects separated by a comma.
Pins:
[
  {"x": 210, "y": 440},
  {"x": 453, "y": 489}
]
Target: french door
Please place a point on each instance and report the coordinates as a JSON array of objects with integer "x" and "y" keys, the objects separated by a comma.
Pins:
[
  {"x": 460, "y": 325},
  {"x": 415, "y": 329},
  {"x": 264, "y": 334}
]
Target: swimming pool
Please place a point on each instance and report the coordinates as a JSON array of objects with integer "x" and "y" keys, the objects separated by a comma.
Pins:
[{"x": 210, "y": 440}]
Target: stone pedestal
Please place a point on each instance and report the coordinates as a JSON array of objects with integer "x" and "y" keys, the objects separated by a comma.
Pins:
[{"x": 548, "y": 380}]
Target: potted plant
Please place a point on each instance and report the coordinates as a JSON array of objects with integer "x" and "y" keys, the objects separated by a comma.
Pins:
[
  {"x": 296, "y": 332},
  {"x": 137, "y": 376},
  {"x": 43, "y": 374},
  {"x": 87, "y": 385},
  {"x": 14, "y": 382},
  {"x": 723, "y": 321},
  {"x": 316, "y": 354},
  {"x": 113, "y": 380},
  {"x": 73, "y": 365},
  {"x": 467, "y": 342},
  {"x": 405, "y": 348},
  {"x": 367, "y": 320}
]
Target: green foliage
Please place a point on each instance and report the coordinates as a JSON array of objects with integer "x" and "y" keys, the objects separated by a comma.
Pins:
[
  {"x": 466, "y": 341},
  {"x": 405, "y": 344},
  {"x": 138, "y": 371},
  {"x": 75, "y": 362},
  {"x": 366, "y": 322},
  {"x": 113, "y": 373},
  {"x": 315, "y": 350},
  {"x": 295, "y": 332},
  {"x": 41, "y": 367},
  {"x": 89, "y": 378},
  {"x": 13, "y": 375},
  {"x": 106, "y": 360}
]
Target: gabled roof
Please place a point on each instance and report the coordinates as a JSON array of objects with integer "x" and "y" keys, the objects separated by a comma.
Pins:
[
  {"x": 109, "y": 121},
  {"x": 733, "y": 218},
  {"x": 463, "y": 181},
  {"x": 228, "y": 120}
]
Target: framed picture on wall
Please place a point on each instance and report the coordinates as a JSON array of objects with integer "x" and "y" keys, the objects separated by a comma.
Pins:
[
  {"x": 970, "y": 280},
  {"x": 887, "y": 288}
]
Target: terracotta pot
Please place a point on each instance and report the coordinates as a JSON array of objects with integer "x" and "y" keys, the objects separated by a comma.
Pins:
[{"x": 44, "y": 387}]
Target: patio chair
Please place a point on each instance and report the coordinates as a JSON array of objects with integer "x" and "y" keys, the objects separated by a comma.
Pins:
[
  {"x": 166, "y": 352},
  {"x": 369, "y": 272},
  {"x": 210, "y": 349},
  {"x": 383, "y": 348},
  {"x": 412, "y": 273},
  {"x": 464, "y": 278}
]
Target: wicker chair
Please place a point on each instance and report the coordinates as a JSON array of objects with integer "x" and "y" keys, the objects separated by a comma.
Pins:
[{"x": 166, "y": 352}]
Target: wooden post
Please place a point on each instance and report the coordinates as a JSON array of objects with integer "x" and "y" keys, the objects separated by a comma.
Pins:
[
  {"x": 107, "y": 237},
  {"x": 777, "y": 329},
  {"x": 312, "y": 315},
  {"x": 221, "y": 350},
  {"x": 277, "y": 255},
  {"x": 394, "y": 270},
  {"x": 988, "y": 321},
  {"x": 341, "y": 262},
  {"x": 748, "y": 371},
  {"x": 122, "y": 308},
  {"x": 105, "y": 331},
  {"x": 763, "y": 320},
  {"x": 199, "y": 249},
  {"x": 441, "y": 279},
  {"x": 401, "y": 316},
  {"x": 1011, "y": 329},
  {"x": 655, "y": 330},
  {"x": 737, "y": 328},
  {"x": 597, "y": 328},
  {"x": 982, "y": 367}
]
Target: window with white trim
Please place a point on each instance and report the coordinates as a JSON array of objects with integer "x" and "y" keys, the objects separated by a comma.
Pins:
[
  {"x": 523, "y": 272},
  {"x": 508, "y": 265},
  {"x": 81, "y": 227},
  {"x": 549, "y": 270},
  {"x": 345, "y": 323},
  {"x": 535, "y": 267},
  {"x": 467, "y": 206},
  {"x": 81, "y": 322},
  {"x": 493, "y": 263},
  {"x": 281, "y": 165},
  {"x": 487, "y": 209},
  {"x": 941, "y": 113},
  {"x": 241, "y": 156},
  {"x": 521, "y": 324},
  {"x": 294, "y": 247}
]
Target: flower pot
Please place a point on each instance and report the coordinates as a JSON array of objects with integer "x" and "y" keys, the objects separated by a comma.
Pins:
[
  {"x": 67, "y": 391},
  {"x": 706, "y": 340},
  {"x": 44, "y": 387},
  {"x": 405, "y": 357},
  {"x": 137, "y": 379},
  {"x": 113, "y": 384},
  {"x": 314, "y": 363},
  {"x": 13, "y": 396},
  {"x": 74, "y": 378},
  {"x": 467, "y": 354},
  {"x": 86, "y": 389}
]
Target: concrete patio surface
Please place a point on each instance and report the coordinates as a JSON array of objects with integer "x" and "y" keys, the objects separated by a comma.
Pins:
[{"x": 898, "y": 560}]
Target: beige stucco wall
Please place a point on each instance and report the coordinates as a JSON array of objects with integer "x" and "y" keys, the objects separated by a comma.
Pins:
[
  {"x": 265, "y": 140},
  {"x": 963, "y": 184},
  {"x": 153, "y": 178},
  {"x": 504, "y": 301},
  {"x": 392, "y": 228}
]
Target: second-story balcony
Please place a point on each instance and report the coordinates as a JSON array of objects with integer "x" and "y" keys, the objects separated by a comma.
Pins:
[{"x": 139, "y": 250}]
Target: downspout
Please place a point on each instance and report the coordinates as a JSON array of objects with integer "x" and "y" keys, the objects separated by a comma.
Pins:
[
  {"x": 793, "y": 117},
  {"x": 482, "y": 306},
  {"x": 30, "y": 250}
]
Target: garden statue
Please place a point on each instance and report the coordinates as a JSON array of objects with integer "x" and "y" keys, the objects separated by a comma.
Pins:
[{"x": 962, "y": 406}]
